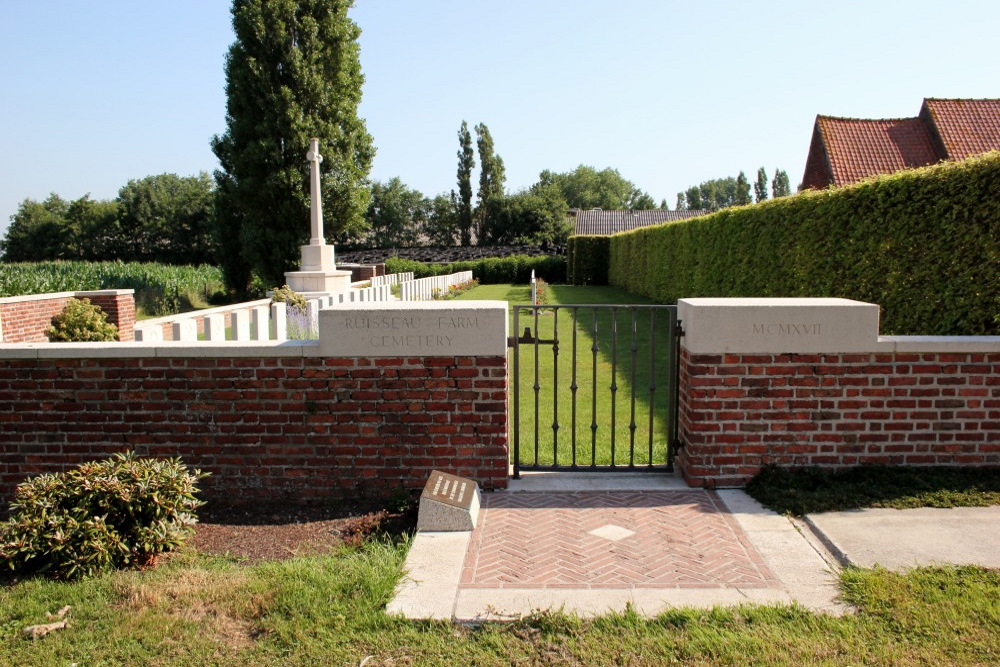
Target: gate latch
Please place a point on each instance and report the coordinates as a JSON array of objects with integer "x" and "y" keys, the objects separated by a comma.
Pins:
[{"x": 527, "y": 338}]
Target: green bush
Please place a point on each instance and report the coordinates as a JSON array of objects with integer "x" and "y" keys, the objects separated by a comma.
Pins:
[
  {"x": 98, "y": 516},
  {"x": 289, "y": 296},
  {"x": 81, "y": 321},
  {"x": 924, "y": 244},
  {"x": 488, "y": 271},
  {"x": 588, "y": 259}
]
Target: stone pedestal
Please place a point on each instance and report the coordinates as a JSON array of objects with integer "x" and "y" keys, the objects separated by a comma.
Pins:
[
  {"x": 448, "y": 503},
  {"x": 332, "y": 281}
]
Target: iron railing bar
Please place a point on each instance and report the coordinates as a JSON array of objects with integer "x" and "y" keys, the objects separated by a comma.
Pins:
[
  {"x": 573, "y": 387},
  {"x": 652, "y": 379},
  {"x": 537, "y": 385},
  {"x": 555, "y": 387},
  {"x": 593, "y": 393},
  {"x": 517, "y": 398},
  {"x": 631, "y": 426},
  {"x": 614, "y": 381}
]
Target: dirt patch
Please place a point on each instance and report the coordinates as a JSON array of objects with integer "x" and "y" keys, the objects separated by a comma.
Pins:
[{"x": 263, "y": 533}]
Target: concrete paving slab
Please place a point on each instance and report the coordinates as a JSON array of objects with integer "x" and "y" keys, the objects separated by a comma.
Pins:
[
  {"x": 432, "y": 572},
  {"x": 899, "y": 539},
  {"x": 598, "y": 481}
]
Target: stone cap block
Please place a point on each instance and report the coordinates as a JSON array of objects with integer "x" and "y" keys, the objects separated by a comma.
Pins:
[
  {"x": 778, "y": 326},
  {"x": 414, "y": 329},
  {"x": 448, "y": 503}
]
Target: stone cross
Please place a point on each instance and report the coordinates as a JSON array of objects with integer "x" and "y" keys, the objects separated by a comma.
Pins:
[{"x": 316, "y": 209}]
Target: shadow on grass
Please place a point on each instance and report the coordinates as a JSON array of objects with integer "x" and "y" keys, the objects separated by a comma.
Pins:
[{"x": 807, "y": 490}]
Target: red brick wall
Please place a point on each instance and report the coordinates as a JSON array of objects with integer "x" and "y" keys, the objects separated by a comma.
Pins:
[
  {"x": 292, "y": 429},
  {"x": 740, "y": 412},
  {"x": 27, "y": 321}
]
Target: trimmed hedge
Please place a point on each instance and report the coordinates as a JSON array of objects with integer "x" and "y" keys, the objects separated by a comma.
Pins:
[
  {"x": 924, "y": 244},
  {"x": 490, "y": 271},
  {"x": 588, "y": 259}
]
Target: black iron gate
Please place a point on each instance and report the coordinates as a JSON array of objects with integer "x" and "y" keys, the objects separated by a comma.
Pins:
[{"x": 625, "y": 395}]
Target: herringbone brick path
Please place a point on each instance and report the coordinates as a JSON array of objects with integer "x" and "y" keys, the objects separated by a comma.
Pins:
[{"x": 647, "y": 539}]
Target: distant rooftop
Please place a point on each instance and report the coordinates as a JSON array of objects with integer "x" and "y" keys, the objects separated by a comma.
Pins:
[
  {"x": 847, "y": 150},
  {"x": 597, "y": 222}
]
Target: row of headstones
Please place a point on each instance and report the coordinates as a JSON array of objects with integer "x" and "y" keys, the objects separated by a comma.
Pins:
[
  {"x": 425, "y": 288},
  {"x": 392, "y": 279}
]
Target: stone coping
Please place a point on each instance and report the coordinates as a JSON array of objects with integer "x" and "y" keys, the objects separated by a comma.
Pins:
[
  {"x": 161, "y": 349},
  {"x": 66, "y": 295},
  {"x": 931, "y": 344}
]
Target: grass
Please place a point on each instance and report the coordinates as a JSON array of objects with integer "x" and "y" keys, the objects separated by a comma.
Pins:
[
  {"x": 329, "y": 610},
  {"x": 612, "y": 440},
  {"x": 807, "y": 490}
]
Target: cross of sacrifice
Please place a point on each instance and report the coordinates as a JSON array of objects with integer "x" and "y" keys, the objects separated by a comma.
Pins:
[{"x": 316, "y": 208}]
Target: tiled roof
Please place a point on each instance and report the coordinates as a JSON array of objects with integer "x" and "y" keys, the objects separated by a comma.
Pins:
[
  {"x": 860, "y": 148},
  {"x": 603, "y": 223},
  {"x": 966, "y": 127},
  {"x": 851, "y": 149}
]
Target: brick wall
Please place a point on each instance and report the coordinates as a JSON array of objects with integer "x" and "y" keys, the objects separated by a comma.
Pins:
[
  {"x": 290, "y": 428},
  {"x": 739, "y": 412},
  {"x": 26, "y": 319}
]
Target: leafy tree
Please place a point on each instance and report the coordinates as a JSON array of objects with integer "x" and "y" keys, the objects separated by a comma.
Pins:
[
  {"x": 693, "y": 198},
  {"x": 166, "y": 218},
  {"x": 742, "y": 190},
  {"x": 587, "y": 188},
  {"x": 780, "y": 186},
  {"x": 533, "y": 216},
  {"x": 396, "y": 215},
  {"x": 293, "y": 73},
  {"x": 491, "y": 178},
  {"x": 466, "y": 163},
  {"x": 760, "y": 186},
  {"x": 37, "y": 231},
  {"x": 681, "y": 201},
  {"x": 442, "y": 220}
]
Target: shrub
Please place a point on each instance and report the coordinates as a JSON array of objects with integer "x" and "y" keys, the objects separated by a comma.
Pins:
[
  {"x": 101, "y": 515},
  {"x": 82, "y": 321},
  {"x": 289, "y": 296},
  {"x": 924, "y": 244}
]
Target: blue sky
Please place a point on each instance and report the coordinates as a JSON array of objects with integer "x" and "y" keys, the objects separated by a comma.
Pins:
[{"x": 669, "y": 93}]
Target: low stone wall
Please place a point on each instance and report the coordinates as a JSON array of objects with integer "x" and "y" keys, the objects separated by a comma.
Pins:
[
  {"x": 270, "y": 421},
  {"x": 752, "y": 394},
  {"x": 26, "y": 319}
]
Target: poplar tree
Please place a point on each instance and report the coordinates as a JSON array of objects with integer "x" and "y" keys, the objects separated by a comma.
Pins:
[
  {"x": 491, "y": 177},
  {"x": 742, "y": 190},
  {"x": 780, "y": 187},
  {"x": 760, "y": 186},
  {"x": 293, "y": 73},
  {"x": 466, "y": 163}
]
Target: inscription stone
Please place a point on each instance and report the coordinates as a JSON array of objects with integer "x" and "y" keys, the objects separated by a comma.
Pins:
[
  {"x": 422, "y": 328},
  {"x": 448, "y": 503}
]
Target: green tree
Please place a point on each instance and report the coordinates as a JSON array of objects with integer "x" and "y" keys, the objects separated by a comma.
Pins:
[
  {"x": 293, "y": 73},
  {"x": 742, "y": 190},
  {"x": 441, "y": 224},
  {"x": 37, "y": 231},
  {"x": 681, "y": 201},
  {"x": 587, "y": 188},
  {"x": 167, "y": 218},
  {"x": 491, "y": 180},
  {"x": 396, "y": 215},
  {"x": 780, "y": 186},
  {"x": 760, "y": 186},
  {"x": 466, "y": 163},
  {"x": 533, "y": 216},
  {"x": 93, "y": 230},
  {"x": 693, "y": 198}
]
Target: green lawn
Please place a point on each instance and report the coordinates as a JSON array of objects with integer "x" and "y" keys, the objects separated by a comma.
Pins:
[
  {"x": 610, "y": 411},
  {"x": 329, "y": 610}
]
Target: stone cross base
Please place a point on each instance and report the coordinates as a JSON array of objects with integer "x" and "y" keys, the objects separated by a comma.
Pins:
[
  {"x": 334, "y": 281},
  {"x": 317, "y": 258}
]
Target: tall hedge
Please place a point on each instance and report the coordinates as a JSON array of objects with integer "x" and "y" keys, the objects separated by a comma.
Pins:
[
  {"x": 924, "y": 244},
  {"x": 587, "y": 259},
  {"x": 490, "y": 270}
]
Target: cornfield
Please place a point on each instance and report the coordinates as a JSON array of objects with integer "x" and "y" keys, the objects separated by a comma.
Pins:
[{"x": 158, "y": 287}]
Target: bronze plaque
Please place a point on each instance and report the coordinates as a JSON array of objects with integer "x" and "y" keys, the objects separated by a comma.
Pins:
[{"x": 449, "y": 489}]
